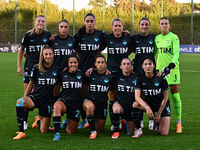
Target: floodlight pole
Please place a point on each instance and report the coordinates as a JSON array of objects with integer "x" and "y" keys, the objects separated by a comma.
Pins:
[
  {"x": 74, "y": 17},
  {"x": 191, "y": 36},
  {"x": 103, "y": 15},
  {"x": 15, "y": 21}
]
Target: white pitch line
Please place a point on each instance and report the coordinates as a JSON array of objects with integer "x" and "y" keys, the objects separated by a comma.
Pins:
[{"x": 190, "y": 71}]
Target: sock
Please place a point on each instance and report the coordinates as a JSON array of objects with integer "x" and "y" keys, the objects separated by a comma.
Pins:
[
  {"x": 116, "y": 122},
  {"x": 178, "y": 105},
  {"x": 20, "y": 120},
  {"x": 91, "y": 121},
  {"x": 56, "y": 123},
  {"x": 111, "y": 112},
  {"x": 25, "y": 115}
]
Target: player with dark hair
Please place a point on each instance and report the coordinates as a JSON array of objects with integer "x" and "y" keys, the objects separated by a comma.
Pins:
[
  {"x": 96, "y": 102},
  {"x": 70, "y": 98},
  {"x": 42, "y": 80},
  {"x": 143, "y": 47},
  {"x": 33, "y": 41},
  {"x": 155, "y": 100},
  {"x": 125, "y": 81},
  {"x": 167, "y": 51},
  {"x": 89, "y": 45}
]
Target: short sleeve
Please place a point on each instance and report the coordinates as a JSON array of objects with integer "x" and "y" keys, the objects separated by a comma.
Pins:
[
  {"x": 164, "y": 85},
  {"x": 24, "y": 42},
  {"x": 138, "y": 83},
  {"x": 33, "y": 75}
]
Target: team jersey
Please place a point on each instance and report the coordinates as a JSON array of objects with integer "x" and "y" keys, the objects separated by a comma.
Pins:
[
  {"x": 125, "y": 88},
  {"x": 167, "y": 50},
  {"x": 98, "y": 87},
  {"x": 152, "y": 89},
  {"x": 44, "y": 83},
  {"x": 117, "y": 49},
  {"x": 71, "y": 86},
  {"x": 144, "y": 47},
  {"x": 62, "y": 49},
  {"x": 33, "y": 43},
  {"x": 88, "y": 47}
]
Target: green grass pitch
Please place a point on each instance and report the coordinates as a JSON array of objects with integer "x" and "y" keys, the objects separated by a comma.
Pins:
[{"x": 11, "y": 88}]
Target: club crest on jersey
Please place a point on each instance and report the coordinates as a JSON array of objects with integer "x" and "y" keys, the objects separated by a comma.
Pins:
[
  {"x": 134, "y": 81},
  {"x": 106, "y": 80},
  {"x": 150, "y": 42},
  {"x": 54, "y": 73},
  {"x": 96, "y": 39},
  {"x": 55, "y": 44},
  {"x": 121, "y": 79},
  {"x": 41, "y": 73},
  {"x": 70, "y": 44},
  {"x": 78, "y": 77},
  {"x": 65, "y": 76},
  {"x": 93, "y": 79},
  {"x": 137, "y": 41},
  {"x": 111, "y": 42},
  {"x": 144, "y": 83},
  {"x": 44, "y": 40},
  {"x": 156, "y": 84},
  {"x": 83, "y": 39},
  {"x": 32, "y": 41},
  {"x": 124, "y": 42},
  {"x": 168, "y": 41}
]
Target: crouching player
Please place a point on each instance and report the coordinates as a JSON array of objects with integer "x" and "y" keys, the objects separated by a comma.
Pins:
[
  {"x": 155, "y": 91},
  {"x": 70, "y": 98},
  {"x": 43, "y": 78}
]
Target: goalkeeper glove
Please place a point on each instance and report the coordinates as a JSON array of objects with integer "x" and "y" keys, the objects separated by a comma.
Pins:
[{"x": 166, "y": 71}]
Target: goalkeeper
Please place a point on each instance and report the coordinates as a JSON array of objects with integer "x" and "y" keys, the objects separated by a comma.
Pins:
[{"x": 167, "y": 51}]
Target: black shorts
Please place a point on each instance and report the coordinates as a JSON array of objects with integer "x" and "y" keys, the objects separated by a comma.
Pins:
[
  {"x": 166, "y": 111},
  {"x": 130, "y": 113},
  {"x": 100, "y": 109},
  {"x": 45, "y": 110},
  {"x": 73, "y": 110},
  {"x": 27, "y": 73}
]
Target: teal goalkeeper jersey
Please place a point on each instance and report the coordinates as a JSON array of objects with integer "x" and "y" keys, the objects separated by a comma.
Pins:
[{"x": 167, "y": 50}]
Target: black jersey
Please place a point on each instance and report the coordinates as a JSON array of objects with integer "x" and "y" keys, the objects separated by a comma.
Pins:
[
  {"x": 71, "y": 86},
  {"x": 144, "y": 47},
  {"x": 152, "y": 89},
  {"x": 98, "y": 87},
  {"x": 62, "y": 49},
  {"x": 44, "y": 83},
  {"x": 33, "y": 43},
  {"x": 117, "y": 49},
  {"x": 125, "y": 88},
  {"x": 88, "y": 47}
]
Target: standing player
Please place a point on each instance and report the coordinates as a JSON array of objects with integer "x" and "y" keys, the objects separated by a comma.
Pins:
[
  {"x": 70, "y": 98},
  {"x": 155, "y": 90},
  {"x": 125, "y": 81},
  {"x": 143, "y": 47},
  {"x": 118, "y": 47},
  {"x": 89, "y": 45},
  {"x": 43, "y": 78},
  {"x": 167, "y": 51},
  {"x": 33, "y": 41},
  {"x": 95, "y": 105}
]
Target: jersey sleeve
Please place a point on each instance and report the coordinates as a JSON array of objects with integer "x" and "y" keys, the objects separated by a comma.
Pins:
[
  {"x": 155, "y": 46},
  {"x": 60, "y": 75},
  {"x": 164, "y": 85},
  {"x": 34, "y": 73},
  {"x": 24, "y": 42},
  {"x": 176, "y": 47},
  {"x": 138, "y": 84}
]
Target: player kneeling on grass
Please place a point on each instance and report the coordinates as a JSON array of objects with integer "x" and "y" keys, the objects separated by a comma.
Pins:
[
  {"x": 155, "y": 91},
  {"x": 95, "y": 105},
  {"x": 70, "y": 98},
  {"x": 43, "y": 78},
  {"x": 126, "y": 81}
]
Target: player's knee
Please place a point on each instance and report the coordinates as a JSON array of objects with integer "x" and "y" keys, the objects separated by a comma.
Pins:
[
  {"x": 56, "y": 107},
  {"x": 116, "y": 110},
  {"x": 20, "y": 102},
  {"x": 135, "y": 105},
  {"x": 90, "y": 109}
]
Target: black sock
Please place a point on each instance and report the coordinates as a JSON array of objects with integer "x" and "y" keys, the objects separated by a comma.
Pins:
[
  {"x": 91, "y": 121},
  {"x": 25, "y": 115},
  {"x": 111, "y": 111},
  {"x": 20, "y": 120},
  {"x": 116, "y": 122},
  {"x": 83, "y": 114},
  {"x": 56, "y": 123}
]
